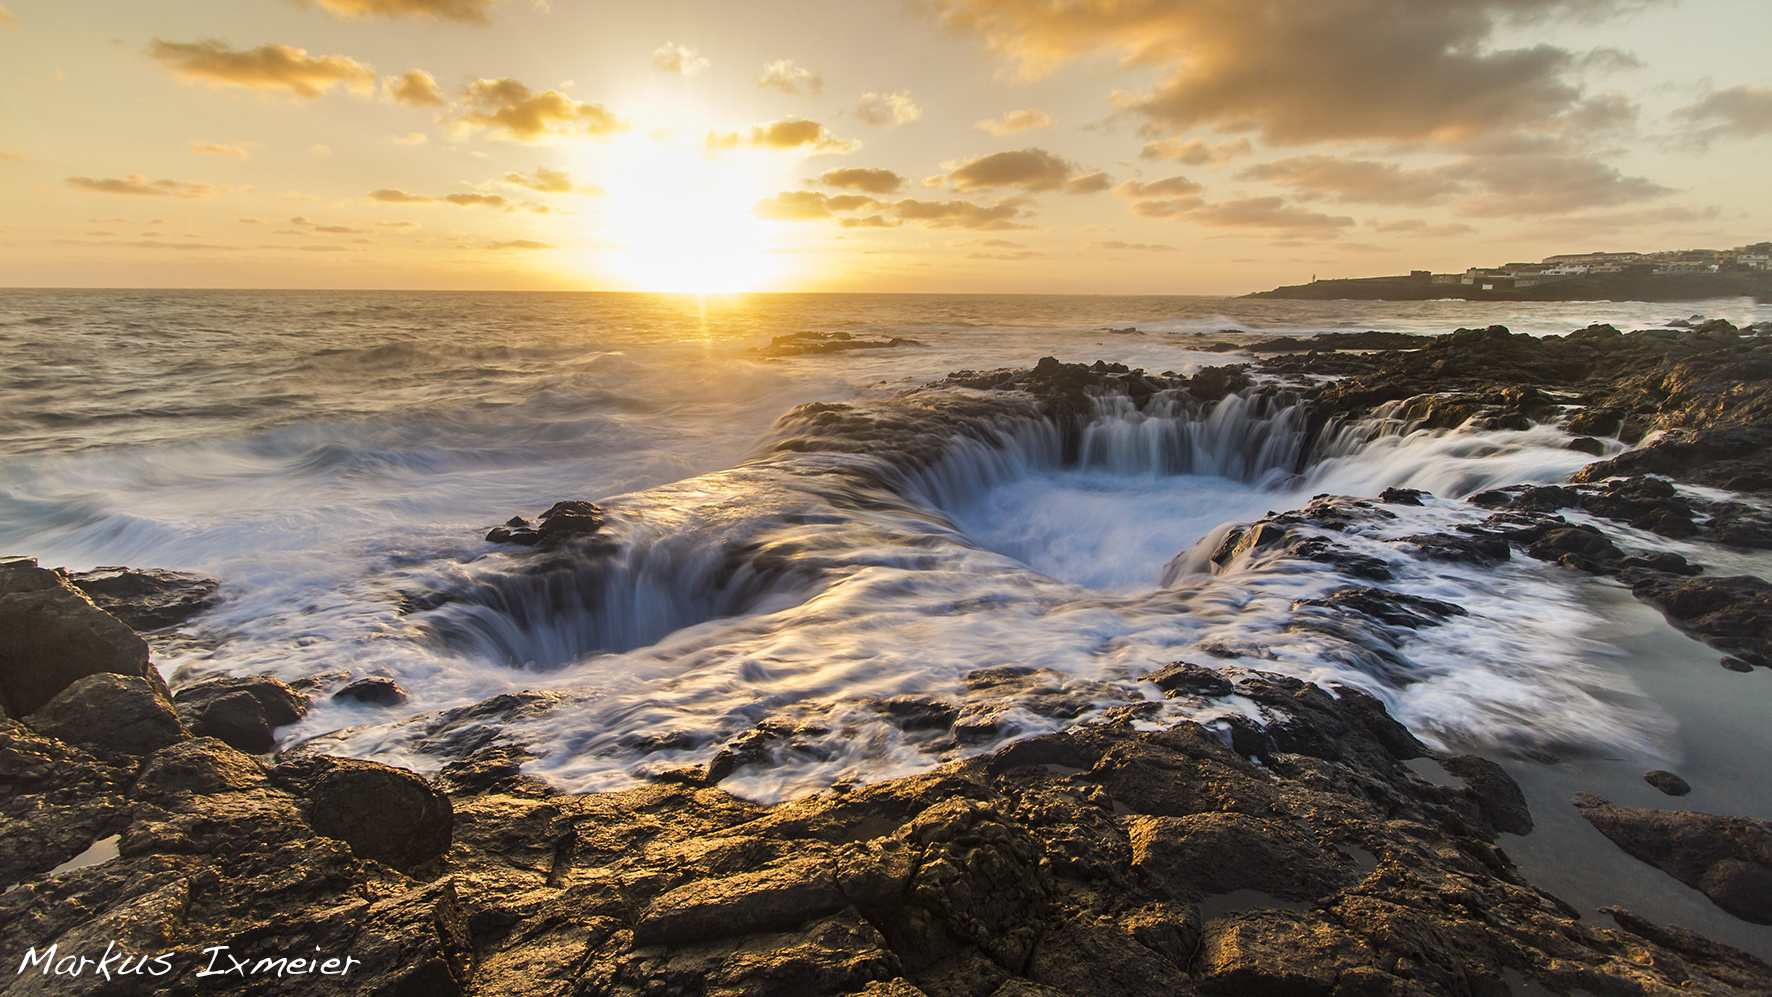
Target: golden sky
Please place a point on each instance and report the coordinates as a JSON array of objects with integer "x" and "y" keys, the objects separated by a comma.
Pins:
[{"x": 1088, "y": 146}]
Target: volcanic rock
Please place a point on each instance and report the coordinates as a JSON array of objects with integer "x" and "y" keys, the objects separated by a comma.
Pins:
[
  {"x": 1667, "y": 782},
  {"x": 241, "y": 711},
  {"x": 55, "y": 635},
  {"x": 123, "y": 714},
  {"x": 1729, "y": 859},
  {"x": 147, "y": 599},
  {"x": 386, "y": 814}
]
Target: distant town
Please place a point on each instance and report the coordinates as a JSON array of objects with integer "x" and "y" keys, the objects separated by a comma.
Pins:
[{"x": 1669, "y": 275}]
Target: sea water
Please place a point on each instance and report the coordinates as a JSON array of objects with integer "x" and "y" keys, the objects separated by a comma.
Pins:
[{"x": 335, "y": 458}]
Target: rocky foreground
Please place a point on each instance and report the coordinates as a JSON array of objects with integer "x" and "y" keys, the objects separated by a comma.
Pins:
[{"x": 1299, "y": 855}]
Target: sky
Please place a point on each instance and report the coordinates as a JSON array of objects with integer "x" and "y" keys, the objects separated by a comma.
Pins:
[{"x": 1062, "y": 146}]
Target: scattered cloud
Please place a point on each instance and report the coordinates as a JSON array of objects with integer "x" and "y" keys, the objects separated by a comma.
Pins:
[
  {"x": 1016, "y": 121},
  {"x": 414, "y": 87},
  {"x": 1140, "y": 247},
  {"x": 520, "y": 244},
  {"x": 810, "y": 205},
  {"x": 319, "y": 149},
  {"x": 788, "y": 133},
  {"x": 7, "y": 19},
  {"x": 1358, "y": 181},
  {"x": 1195, "y": 151},
  {"x": 16, "y": 157},
  {"x": 1305, "y": 70},
  {"x": 410, "y": 138},
  {"x": 678, "y": 60},
  {"x": 1423, "y": 229},
  {"x": 1741, "y": 111},
  {"x": 549, "y": 181},
  {"x": 141, "y": 186},
  {"x": 787, "y": 77},
  {"x": 512, "y": 110},
  {"x": 888, "y": 108},
  {"x": 1519, "y": 186},
  {"x": 873, "y": 181},
  {"x": 253, "y": 221},
  {"x": 1175, "y": 186},
  {"x": 394, "y": 195},
  {"x": 213, "y": 149},
  {"x": 468, "y": 11},
  {"x": 338, "y": 230},
  {"x": 1029, "y": 169},
  {"x": 1269, "y": 213},
  {"x": 296, "y": 195},
  {"x": 268, "y": 67}
]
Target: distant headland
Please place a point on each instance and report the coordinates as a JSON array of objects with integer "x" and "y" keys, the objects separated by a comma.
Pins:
[{"x": 1672, "y": 275}]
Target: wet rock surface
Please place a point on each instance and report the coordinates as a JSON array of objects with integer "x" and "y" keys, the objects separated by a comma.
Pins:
[
  {"x": 1073, "y": 864},
  {"x": 55, "y": 636},
  {"x": 147, "y": 599},
  {"x": 242, "y": 711},
  {"x": 1728, "y": 858}
]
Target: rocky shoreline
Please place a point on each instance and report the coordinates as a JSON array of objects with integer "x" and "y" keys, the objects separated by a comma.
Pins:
[{"x": 1290, "y": 852}]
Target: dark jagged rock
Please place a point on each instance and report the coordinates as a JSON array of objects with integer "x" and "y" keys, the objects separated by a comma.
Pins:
[
  {"x": 1068, "y": 864},
  {"x": 1732, "y": 614},
  {"x": 1463, "y": 549},
  {"x": 573, "y": 519},
  {"x": 384, "y": 813},
  {"x": 147, "y": 599},
  {"x": 375, "y": 689},
  {"x": 56, "y": 799},
  {"x": 1399, "y": 609},
  {"x": 801, "y": 343},
  {"x": 121, "y": 714},
  {"x": 55, "y": 636},
  {"x": 1729, "y": 859},
  {"x": 1179, "y": 678},
  {"x": 241, "y": 710},
  {"x": 1402, "y": 496},
  {"x": 1667, "y": 782}
]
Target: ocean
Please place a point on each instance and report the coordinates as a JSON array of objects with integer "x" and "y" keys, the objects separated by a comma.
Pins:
[{"x": 336, "y": 459}]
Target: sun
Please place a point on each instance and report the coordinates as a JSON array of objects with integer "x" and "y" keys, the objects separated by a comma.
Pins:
[{"x": 676, "y": 219}]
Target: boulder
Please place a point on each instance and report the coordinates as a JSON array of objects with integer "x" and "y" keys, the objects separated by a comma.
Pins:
[
  {"x": 375, "y": 690},
  {"x": 1729, "y": 859},
  {"x": 55, "y": 635},
  {"x": 147, "y": 599},
  {"x": 125, "y": 714},
  {"x": 202, "y": 766},
  {"x": 1667, "y": 782},
  {"x": 241, "y": 711},
  {"x": 386, "y": 814}
]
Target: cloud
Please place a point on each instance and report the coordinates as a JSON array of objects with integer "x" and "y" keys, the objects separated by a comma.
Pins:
[
  {"x": 338, "y": 229},
  {"x": 1088, "y": 183},
  {"x": 1741, "y": 111},
  {"x": 296, "y": 195},
  {"x": 549, "y": 182},
  {"x": 7, "y": 19},
  {"x": 1141, "y": 247},
  {"x": 212, "y": 149},
  {"x": 678, "y": 60},
  {"x": 415, "y": 87},
  {"x": 783, "y": 75},
  {"x": 1269, "y": 213},
  {"x": 16, "y": 157},
  {"x": 1175, "y": 186},
  {"x": 1029, "y": 169},
  {"x": 1518, "y": 186},
  {"x": 1418, "y": 227},
  {"x": 888, "y": 109},
  {"x": 1359, "y": 181},
  {"x": 810, "y": 205},
  {"x": 873, "y": 181},
  {"x": 1016, "y": 121},
  {"x": 268, "y": 67},
  {"x": 514, "y": 111},
  {"x": 467, "y": 11},
  {"x": 141, "y": 186},
  {"x": 961, "y": 214},
  {"x": 788, "y": 133},
  {"x": 394, "y": 195},
  {"x": 520, "y": 244},
  {"x": 1305, "y": 70},
  {"x": 1195, "y": 151},
  {"x": 410, "y": 138}
]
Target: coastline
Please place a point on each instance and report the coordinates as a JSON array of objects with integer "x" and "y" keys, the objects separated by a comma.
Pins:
[{"x": 1081, "y": 861}]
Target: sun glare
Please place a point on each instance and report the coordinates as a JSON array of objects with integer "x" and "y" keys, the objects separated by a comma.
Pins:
[{"x": 681, "y": 221}]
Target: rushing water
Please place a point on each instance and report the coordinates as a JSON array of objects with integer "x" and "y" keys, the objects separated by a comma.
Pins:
[{"x": 336, "y": 458}]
